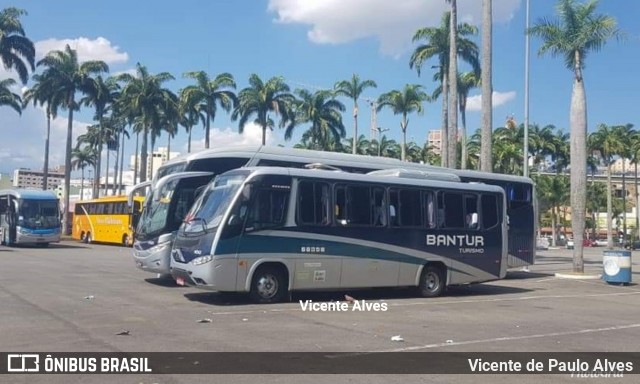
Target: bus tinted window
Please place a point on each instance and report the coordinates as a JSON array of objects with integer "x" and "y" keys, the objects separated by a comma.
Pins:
[
  {"x": 353, "y": 205},
  {"x": 518, "y": 195},
  {"x": 268, "y": 209},
  {"x": 471, "y": 212},
  {"x": 218, "y": 165},
  {"x": 430, "y": 209},
  {"x": 489, "y": 211},
  {"x": 313, "y": 203},
  {"x": 454, "y": 208},
  {"x": 379, "y": 208}
]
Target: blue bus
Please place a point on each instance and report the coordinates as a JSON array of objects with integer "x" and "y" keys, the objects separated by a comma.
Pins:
[
  {"x": 29, "y": 217},
  {"x": 268, "y": 231}
]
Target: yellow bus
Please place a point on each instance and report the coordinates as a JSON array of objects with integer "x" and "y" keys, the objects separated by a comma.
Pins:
[{"x": 106, "y": 220}]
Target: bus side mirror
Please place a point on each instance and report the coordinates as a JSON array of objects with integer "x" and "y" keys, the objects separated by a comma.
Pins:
[{"x": 234, "y": 221}]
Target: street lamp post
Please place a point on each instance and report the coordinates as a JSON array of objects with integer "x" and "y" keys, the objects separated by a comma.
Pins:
[{"x": 526, "y": 94}]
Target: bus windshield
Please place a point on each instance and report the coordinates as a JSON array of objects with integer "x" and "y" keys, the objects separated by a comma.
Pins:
[
  {"x": 38, "y": 214},
  {"x": 154, "y": 216},
  {"x": 214, "y": 201}
]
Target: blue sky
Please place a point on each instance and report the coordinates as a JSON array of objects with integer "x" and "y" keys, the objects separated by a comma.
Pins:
[{"x": 315, "y": 43}]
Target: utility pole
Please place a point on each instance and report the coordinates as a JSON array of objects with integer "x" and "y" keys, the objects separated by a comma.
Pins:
[{"x": 526, "y": 94}]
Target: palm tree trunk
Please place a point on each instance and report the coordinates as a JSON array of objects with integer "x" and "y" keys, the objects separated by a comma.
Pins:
[
  {"x": 355, "y": 126},
  {"x": 106, "y": 174},
  {"x": 487, "y": 88},
  {"x": 143, "y": 155},
  {"x": 118, "y": 160},
  {"x": 82, "y": 184},
  {"x": 264, "y": 134},
  {"x": 206, "y": 132},
  {"x": 45, "y": 171},
  {"x": 453, "y": 86},
  {"x": 168, "y": 146},
  {"x": 624, "y": 204},
  {"x": 403, "y": 153},
  {"x": 463, "y": 139},
  {"x": 553, "y": 226},
  {"x": 121, "y": 162},
  {"x": 578, "y": 156},
  {"x": 153, "y": 144},
  {"x": 444, "y": 143},
  {"x": 135, "y": 160},
  {"x": 67, "y": 165},
  {"x": 609, "y": 207},
  {"x": 189, "y": 141}
]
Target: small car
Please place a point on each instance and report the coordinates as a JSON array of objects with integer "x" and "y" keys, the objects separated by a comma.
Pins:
[{"x": 570, "y": 244}]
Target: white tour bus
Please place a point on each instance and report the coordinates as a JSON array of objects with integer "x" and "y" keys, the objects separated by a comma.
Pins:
[
  {"x": 175, "y": 186},
  {"x": 29, "y": 217},
  {"x": 270, "y": 230}
]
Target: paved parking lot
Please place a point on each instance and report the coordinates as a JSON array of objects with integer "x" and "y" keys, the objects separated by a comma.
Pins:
[{"x": 74, "y": 297}]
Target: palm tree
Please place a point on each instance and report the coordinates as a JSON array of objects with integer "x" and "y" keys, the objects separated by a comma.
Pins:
[
  {"x": 16, "y": 50},
  {"x": 353, "y": 89},
  {"x": 82, "y": 158},
  {"x": 607, "y": 144},
  {"x": 210, "y": 94},
  {"x": 403, "y": 103},
  {"x": 437, "y": 46},
  {"x": 625, "y": 135},
  {"x": 190, "y": 115},
  {"x": 69, "y": 76},
  {"x": 487, "y": 87},
  {"x": 560, "y": 151},
  {"x": 260, "y": 99},
  {"x": 635, "y": 158},
  {"x": 144, "y": 98},
  {"x": 101, "y": 94},
  {"x": 553, "y": 192},
  {"x": 43, "y": 93},
  {"x": 323, "y": 112},
  {"x": 507, "y": 150},
  {"x": 578, "y": 31},
  {"x": 8, "y": 97},
  {"x": 452, "y": 133}
]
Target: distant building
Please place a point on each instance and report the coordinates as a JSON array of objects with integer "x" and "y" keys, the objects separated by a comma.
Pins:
[
  {"x": 27, "y": 178},
  {"x": 434, "y": 140},
  {"x": 154, "y": 162}
]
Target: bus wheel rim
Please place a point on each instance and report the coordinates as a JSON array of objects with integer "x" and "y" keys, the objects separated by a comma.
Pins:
[
  {"x": 432, "y": 281},
  {"x": 267, "y": 286}
]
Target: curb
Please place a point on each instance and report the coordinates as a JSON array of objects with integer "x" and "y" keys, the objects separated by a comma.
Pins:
[{"x": 578, "y": 276}]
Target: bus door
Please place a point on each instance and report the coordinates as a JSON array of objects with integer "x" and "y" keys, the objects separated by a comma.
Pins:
[{"x": 263, "y": 207}]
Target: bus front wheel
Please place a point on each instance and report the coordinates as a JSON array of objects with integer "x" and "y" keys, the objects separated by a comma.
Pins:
[
  {"x": 432, "y": 281},
  {"x": 269, "y": 285},
  {"x": 125, "y": 240}
]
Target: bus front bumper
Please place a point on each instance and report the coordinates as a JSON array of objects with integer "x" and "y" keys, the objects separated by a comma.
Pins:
[
  {"x": 154, "y": 259},
  {"x": 35, "y": 238}
]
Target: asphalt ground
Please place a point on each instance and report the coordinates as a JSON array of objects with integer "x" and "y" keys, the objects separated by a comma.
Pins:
[{"x": 75, "y": 297}]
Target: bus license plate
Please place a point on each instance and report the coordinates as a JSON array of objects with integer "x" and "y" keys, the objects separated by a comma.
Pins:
[{"x": 179, "y": 281}]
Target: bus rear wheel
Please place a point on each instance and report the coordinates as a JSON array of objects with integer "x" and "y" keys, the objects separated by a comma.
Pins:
[
  {"x": 269, "y": 285},
  {"x": 432, "y": 281},
  {"x": 87, "y": 238}
]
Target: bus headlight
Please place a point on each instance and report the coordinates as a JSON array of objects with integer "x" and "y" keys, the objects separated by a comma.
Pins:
[
  {"x": 159, "y": 248},
  {"x": 202, "y": 260},
  {"x": 23, "y": 230}
]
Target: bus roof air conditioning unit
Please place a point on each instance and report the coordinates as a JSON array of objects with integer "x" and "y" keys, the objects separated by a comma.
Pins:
[
  {"x": 323, "y": 167},
  {"x": 416, "y": 174}
]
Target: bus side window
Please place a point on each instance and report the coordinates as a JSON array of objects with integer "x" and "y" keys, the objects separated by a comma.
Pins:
[
  {"x": 453, "y": 210},
  {"x": 313, "y": 203},
  {"x": 268, "y": 209},
  {"x": 471, "y": 211},
  {"x": 379, "y": 207},
  {"x": 430, "y": 209},
  {"x": 340, "y": 209},
  {"x": 489, "y": 210}
]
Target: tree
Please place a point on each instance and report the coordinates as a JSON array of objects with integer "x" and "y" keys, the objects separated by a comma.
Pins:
[
  {"x": 486, "y": 163},
  {"x": 577, "y": 32},
  {"x": 323, "y": 112},
  {"x": 260, "y": 99},
  {"x": 101, "y": 94},
  {"x": 8, "y": 97},
  {"x": 209, "y": 94},
  {"x": 144, "y": 97},
  {"x": 452, "y": 133},
  {"x": 190, "y": 115},
  {"x": 16, "y": 50},
  {"x": 553, "y": 192},
  {"x": 403, "y": 103},
  {"x": 625, "y": 135},
  {"x": 69, "y": 76},
  {"x": 437, "y": 46},
  {"x": 353, "y": 89},
  {"x": 44, "y": 93},
  {"x": 607, "y": 144},
  {"x": 82, "y": 158}
]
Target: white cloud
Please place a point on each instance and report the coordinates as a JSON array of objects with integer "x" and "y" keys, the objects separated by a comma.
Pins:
[
  {"x": 131, "y": 71},
  {"x": 474, "y": 103},
  {"x": 97, "y": 49},
  {"x": 393, "y": 23},
  {"x": 24, "y": 137},
  {"x": 222, "y": 137}
]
